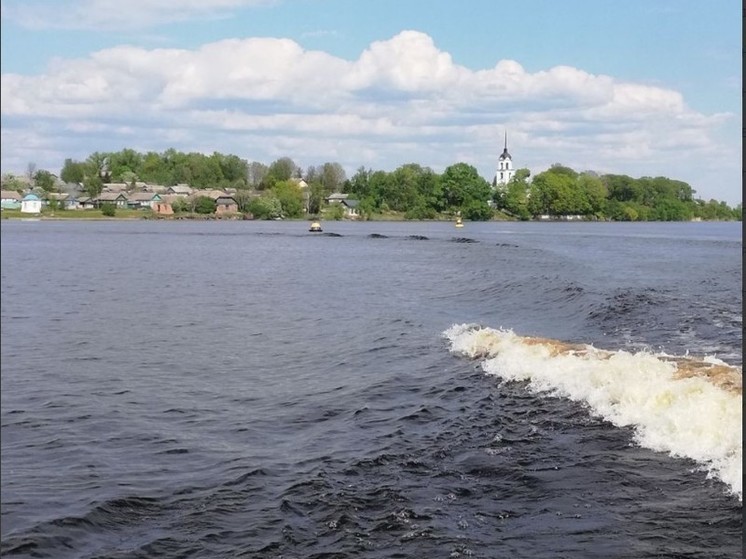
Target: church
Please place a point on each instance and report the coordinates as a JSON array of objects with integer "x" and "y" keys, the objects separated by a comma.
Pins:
[{"x": 505, "y": 169}]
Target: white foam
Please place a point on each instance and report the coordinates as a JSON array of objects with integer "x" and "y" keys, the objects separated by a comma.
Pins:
[{"x": 685, "y": 417}]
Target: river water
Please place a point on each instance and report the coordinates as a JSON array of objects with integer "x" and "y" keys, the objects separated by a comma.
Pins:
[{"x": 249, "y": 389}]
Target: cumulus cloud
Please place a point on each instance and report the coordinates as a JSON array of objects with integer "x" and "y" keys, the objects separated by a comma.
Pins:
[{"x": 403, "y": 99}]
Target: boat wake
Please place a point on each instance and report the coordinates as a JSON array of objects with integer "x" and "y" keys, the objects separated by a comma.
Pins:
[{"x": 685, "y": 406}]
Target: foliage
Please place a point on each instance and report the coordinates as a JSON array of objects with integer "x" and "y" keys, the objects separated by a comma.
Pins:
[
  {"x": 180, "y": 205},
  {"x": 93, "y": 185},
  {"x": 45, "y": 180},
  {"x": 12, "y": 182},
  {"x": 204, "y": 205},
  {"x": 266, "y": 206},
  {"x": 289, "y": 194},
  {"x": 335, "y": 212},
  {"x": 411, "y": 190},
  {"x": 109, "y": 210},
  {"x": 73, "y": 171}
]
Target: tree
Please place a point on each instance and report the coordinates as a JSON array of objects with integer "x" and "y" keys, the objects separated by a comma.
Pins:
[
  {"x": 594, "y": 191},
  {"x": 97, "y": 165},
  {"x": 93, "y": 185},
  {"x": 290, "y": 197},
  {"x": 12, "y": 182},
  {"x": 204, "y": 205},
  {"x": 45, "y": 180},
  {"x": 315, "y": 197},
  {"x": 280, "y": 170},
  {"x": 73, "y": 171},
  {"x": 266, "y": 206},
  {"x": 514, "y": 197},
  {"x": 461, "y": 185},
  {"x": 332, "y": 177},
  {"x": 124, "y": 163},
  {"x": 109, "y": 210},
  {"x": 243, "y": 199},
  {"x": 255, "y": 173}
]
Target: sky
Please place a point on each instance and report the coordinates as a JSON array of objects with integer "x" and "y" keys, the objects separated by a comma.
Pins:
[{"x": 640, "y": 87}]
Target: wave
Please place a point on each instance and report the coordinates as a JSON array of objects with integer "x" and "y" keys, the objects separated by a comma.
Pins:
[{"x": 684, "y": 406}]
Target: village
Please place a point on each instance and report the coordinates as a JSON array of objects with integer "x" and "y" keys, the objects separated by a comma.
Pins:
[{"x": 158, "y": 199}]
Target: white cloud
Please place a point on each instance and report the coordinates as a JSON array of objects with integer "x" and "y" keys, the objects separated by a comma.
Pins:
[{"x": 402, "y": 100}]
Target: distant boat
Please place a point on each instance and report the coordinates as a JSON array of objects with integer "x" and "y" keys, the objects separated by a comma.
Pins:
[{"x": 315, "y": 227}]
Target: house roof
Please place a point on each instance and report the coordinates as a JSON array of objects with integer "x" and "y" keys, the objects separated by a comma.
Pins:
[
  {"x": 180, "y": 189},
  {"x": 10, "y": 195},
  {"x": 213, "y": 194},
  {"x": 57, "y": 195},
  {"x": 111, "y": 196},
  {"x": 30, "y": 197},
  {"x": 115, "y": 186},
  {"x": 225, "y": 200},
  {"x": 142, "y": 196}
]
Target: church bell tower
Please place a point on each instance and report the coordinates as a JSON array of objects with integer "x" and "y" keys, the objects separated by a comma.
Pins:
[{"x": 505, "y": 169}]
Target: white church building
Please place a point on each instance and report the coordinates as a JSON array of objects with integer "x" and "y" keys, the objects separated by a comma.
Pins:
[{"x": 505, "y": 169}]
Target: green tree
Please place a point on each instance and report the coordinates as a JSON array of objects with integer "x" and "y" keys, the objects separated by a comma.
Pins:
[
  {"x": 45, "y": 180},
  {"x": 123, "y": 164},
  {"x": 315, "y": 197},
  {"x": 282, "y": 169},
  {"x": 73, "y": 171},
  {"x": 204, "y": 205},
  {"x": 462, "y": 185},
  {"x": 332, "y": 177},
  {"x": 266, "y": 206},
  {"x": 290, "y": 196},
  {"x": 335, "y": 212},
  {"x": 93, "y": 185},
  {"x": 109, "y": 210}
]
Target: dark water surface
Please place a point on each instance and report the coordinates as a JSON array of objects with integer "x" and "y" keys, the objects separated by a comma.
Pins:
[{"x": 249, "y": 389}]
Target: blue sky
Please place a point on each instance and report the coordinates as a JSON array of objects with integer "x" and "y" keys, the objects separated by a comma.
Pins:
[{"x": 640, "y": 87}]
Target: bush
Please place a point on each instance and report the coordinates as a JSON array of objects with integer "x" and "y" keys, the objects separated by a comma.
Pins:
[
  {"x": 204, "y": 205},
  {"x": 109, "y": 210}
]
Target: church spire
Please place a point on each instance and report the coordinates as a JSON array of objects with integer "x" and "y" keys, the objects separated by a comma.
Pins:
[{"x": 505, "y": 154}]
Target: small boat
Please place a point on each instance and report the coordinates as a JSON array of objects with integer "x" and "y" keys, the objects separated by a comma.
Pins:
[{"x": 315, "y": 227}]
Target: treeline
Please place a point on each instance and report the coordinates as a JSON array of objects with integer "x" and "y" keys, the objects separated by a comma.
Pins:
[
  {"x": 416, "y": 192},
  {"x": 562, "y": 191}
]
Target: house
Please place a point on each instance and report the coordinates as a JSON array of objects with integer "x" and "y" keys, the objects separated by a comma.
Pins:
[
  {"x": 70, "y": 202},
  {"x": 226, "y": 204},
  {"x": 115, "y": 187},
  {"x": 142, "y": 200},
  {"x": 86, "y": 203},
  {"x": 57, "y": 198},
  {"x": 31, "y": 204},
  {"x": 145, "y": 187},
  {"x": 179, "y": 190},
  {"x": 163, "y": 206},
  {"x": 119, "y": 199},
  {"x": 336, "y": 198},
  {"x": 351, "y": 208},
  {"x": 11, "y": 200}
]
